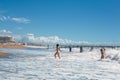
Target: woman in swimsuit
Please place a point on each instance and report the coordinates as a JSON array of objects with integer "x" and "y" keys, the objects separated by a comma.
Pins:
[{"x": 57, "y": 51}]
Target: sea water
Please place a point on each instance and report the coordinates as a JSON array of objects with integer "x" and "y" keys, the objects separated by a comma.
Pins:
[{"x": 40, "y": 64}]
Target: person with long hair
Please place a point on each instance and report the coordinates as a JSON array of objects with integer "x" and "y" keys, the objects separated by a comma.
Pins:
[{"x": 57, "y": 51}]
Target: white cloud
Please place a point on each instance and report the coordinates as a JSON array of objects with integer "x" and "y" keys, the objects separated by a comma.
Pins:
[
  {"x": 15, "y": 19},
  {"x": 30, "y": 38},
  {"x": 5, "y": 33},
  {"x": 21, "y": 20},
  {"x": 4, "y": 18}
]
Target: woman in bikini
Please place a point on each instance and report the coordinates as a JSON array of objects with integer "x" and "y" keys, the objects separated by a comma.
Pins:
[{"x": 57, "y": 51}]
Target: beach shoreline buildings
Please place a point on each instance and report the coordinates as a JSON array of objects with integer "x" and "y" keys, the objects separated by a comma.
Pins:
[
  {"x": 9, "y": 42},
  {"x": 6, "y": 39}
]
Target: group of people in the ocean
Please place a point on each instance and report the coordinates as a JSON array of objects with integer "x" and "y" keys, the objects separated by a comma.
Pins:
[{"x": 102, "y": 50}]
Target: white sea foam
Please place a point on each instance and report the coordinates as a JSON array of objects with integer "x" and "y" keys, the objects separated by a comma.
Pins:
[{"x": 39, "y": 64}]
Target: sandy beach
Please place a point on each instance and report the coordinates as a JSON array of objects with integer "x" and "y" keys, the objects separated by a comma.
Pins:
[
  {"x": 12, "y": 46},
  {"x": 2, "y": 54}
]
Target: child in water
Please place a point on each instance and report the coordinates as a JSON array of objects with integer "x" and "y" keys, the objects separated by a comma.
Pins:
[{"x": 57, "y": 51}]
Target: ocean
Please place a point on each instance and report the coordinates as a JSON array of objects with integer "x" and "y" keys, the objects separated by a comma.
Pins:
[{"x": 36, "y": 63}]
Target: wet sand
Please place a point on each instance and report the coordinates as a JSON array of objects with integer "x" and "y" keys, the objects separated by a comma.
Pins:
[
  {"x": 12, "y": 46},
  {"x": 2, "y": 54}
]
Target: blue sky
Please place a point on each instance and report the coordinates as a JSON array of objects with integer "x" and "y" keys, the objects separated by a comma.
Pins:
[{"x": 86, "y": 20}]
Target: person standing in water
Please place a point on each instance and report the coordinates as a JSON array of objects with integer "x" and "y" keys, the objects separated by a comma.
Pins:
[
  {"x": 57, "y": 51},
  {"x": 102, "y": 53}
]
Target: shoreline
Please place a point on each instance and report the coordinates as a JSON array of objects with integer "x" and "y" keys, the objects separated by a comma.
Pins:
[
  {"x": 12, "y": 46},
  {"x": 3, "y": 54}
]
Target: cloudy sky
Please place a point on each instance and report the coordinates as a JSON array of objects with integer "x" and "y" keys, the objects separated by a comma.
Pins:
[{"x": 79, "y": 20}]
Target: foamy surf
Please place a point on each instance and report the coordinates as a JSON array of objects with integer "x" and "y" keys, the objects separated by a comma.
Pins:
[{"x": 35, "y": 64}]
